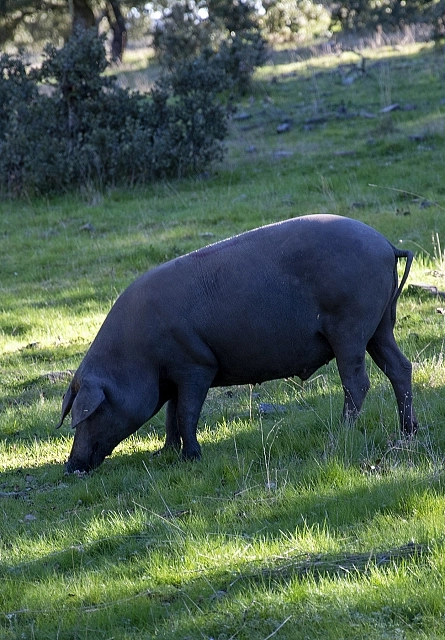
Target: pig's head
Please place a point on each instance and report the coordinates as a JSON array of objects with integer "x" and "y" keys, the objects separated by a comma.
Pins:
[{"x": 100, "y": 421}]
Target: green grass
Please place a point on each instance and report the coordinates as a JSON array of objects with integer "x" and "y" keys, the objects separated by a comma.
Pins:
[{"x": 293, "y": 525}]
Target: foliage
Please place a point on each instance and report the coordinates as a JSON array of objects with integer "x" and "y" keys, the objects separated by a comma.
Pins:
[
  {"x": 367, "y": 14},
  {"x": 187, "y": 132},
  {"x": 230, "y": 34},
  {"x": 86, "y": 128},
  {"x": 302, "y": 18},
  {"x": 239, "y": 55},
  {"x": 16, "y": 92},
  {"x": 235, "y": 16},
  {"x": 35, "y": 22},
  {"x": 438, "y": 20},
  {"x": 27, "y": 21},
  {"x": 181, "y": 36}
]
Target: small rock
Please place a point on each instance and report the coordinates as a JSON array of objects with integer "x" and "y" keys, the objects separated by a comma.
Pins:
[
  {"x": 240, "y": 198},
  {"x": 87, "y": 227},
  {"x": 243, "y": 115},
  {"x": 283, "y": 127},
  {"x": 33, "y": 345},
  {"x": 268, "y": 408},
  {"x": 367, "y": 114},
  {"x": 57, "y": 376},
  {"x": 350, "y": 79},
  {"x": 283, "y": 154},
  {"x": 29, "y": 518},
  {"x": 350, "y": 152},
  {"x": 316, "y": 120},
  {"x": 390, "y": 107}
]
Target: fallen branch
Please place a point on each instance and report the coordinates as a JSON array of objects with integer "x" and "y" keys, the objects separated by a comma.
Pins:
[
  {"x": 14, "y": 494},
  {"x": 326, "y": 565},
  {"x": 428, "y": 288}
]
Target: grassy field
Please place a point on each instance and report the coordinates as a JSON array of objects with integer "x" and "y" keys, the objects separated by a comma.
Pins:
[{"x": 293, "y": 525}]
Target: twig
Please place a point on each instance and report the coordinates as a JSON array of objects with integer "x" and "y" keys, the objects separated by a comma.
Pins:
[
  {"x": 408, "y": 193},
  {"x": 322, "y": 565},
  {"x": 14, "y": 494},
  {"x": 278, "y": 628},
  {"x": 428, "y": 288}
]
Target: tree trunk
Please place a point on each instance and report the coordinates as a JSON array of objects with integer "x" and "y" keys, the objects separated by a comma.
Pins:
[
  {"x": 82, "y": 14},
  {"x": 117, "y": 24}
]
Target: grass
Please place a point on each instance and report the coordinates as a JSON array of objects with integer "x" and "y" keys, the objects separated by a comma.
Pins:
[{"x": 293, "y": 525}]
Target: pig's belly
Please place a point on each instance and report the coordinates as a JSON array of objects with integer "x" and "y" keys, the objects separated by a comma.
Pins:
[{"x": 256, "y": 363}]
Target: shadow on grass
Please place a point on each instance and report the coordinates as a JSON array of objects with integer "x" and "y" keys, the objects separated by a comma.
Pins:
[
  {"x": 214, "y": 596},
  {"x": 157, "y": 503}
]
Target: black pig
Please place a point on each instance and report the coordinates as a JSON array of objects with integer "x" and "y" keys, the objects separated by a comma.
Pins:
[{"x": 275, "y": 302}]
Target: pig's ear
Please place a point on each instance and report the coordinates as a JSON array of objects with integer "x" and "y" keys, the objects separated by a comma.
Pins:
[
  {"x": 67, "y": 403},
  {"x": 89, "y": 397}
]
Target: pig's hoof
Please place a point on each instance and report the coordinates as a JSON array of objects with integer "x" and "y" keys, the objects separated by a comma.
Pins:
[
  {"x": 193, "y": 454},
  {"x": 170, "y": 454}
]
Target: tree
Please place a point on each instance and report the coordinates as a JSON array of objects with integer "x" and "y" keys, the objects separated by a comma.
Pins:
[
  {"x": 25, "y": 21},
  {"x": 117, "y": 24},
  {"x": 82, "y": 15},
  {"x": 229, "y": 33},
  {"x": 182, "y": 35},
  {"x": 361, "y": 15},
  {"x": 235, "y": 15},
  {"x": 290, "y": 19}
]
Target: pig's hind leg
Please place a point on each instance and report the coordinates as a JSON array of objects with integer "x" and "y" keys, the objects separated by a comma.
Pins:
[
  {"x": 349, "y": 349},
  {"x": 355, "y": 383},
  {"x": 385, "y": 352}
]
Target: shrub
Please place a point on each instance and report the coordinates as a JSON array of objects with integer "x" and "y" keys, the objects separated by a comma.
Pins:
[
  {"x": 291, "y": 19},
  {"x": 362, "y": 15},
  {"x": 17, "y": 94},
  {"x": 230, "y": 34},
  {"x": 85, "y": 128},
  {"x": 239, "y": 55},
  {"x": 181, "y": 36},
  {"x": 198, "y": 120}
]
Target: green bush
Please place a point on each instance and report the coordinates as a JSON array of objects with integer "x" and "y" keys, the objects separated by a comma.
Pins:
[
  {"x": 229, "y": 36},
  {"x": 291, "y": 19},
  {"x": 190, "y": 128},
  {"x": 181, "y": 36},
  {"x": 239, "y": 55},
  {"x": 362, "y": 15},
  {"x": 84, "y": 128}
]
